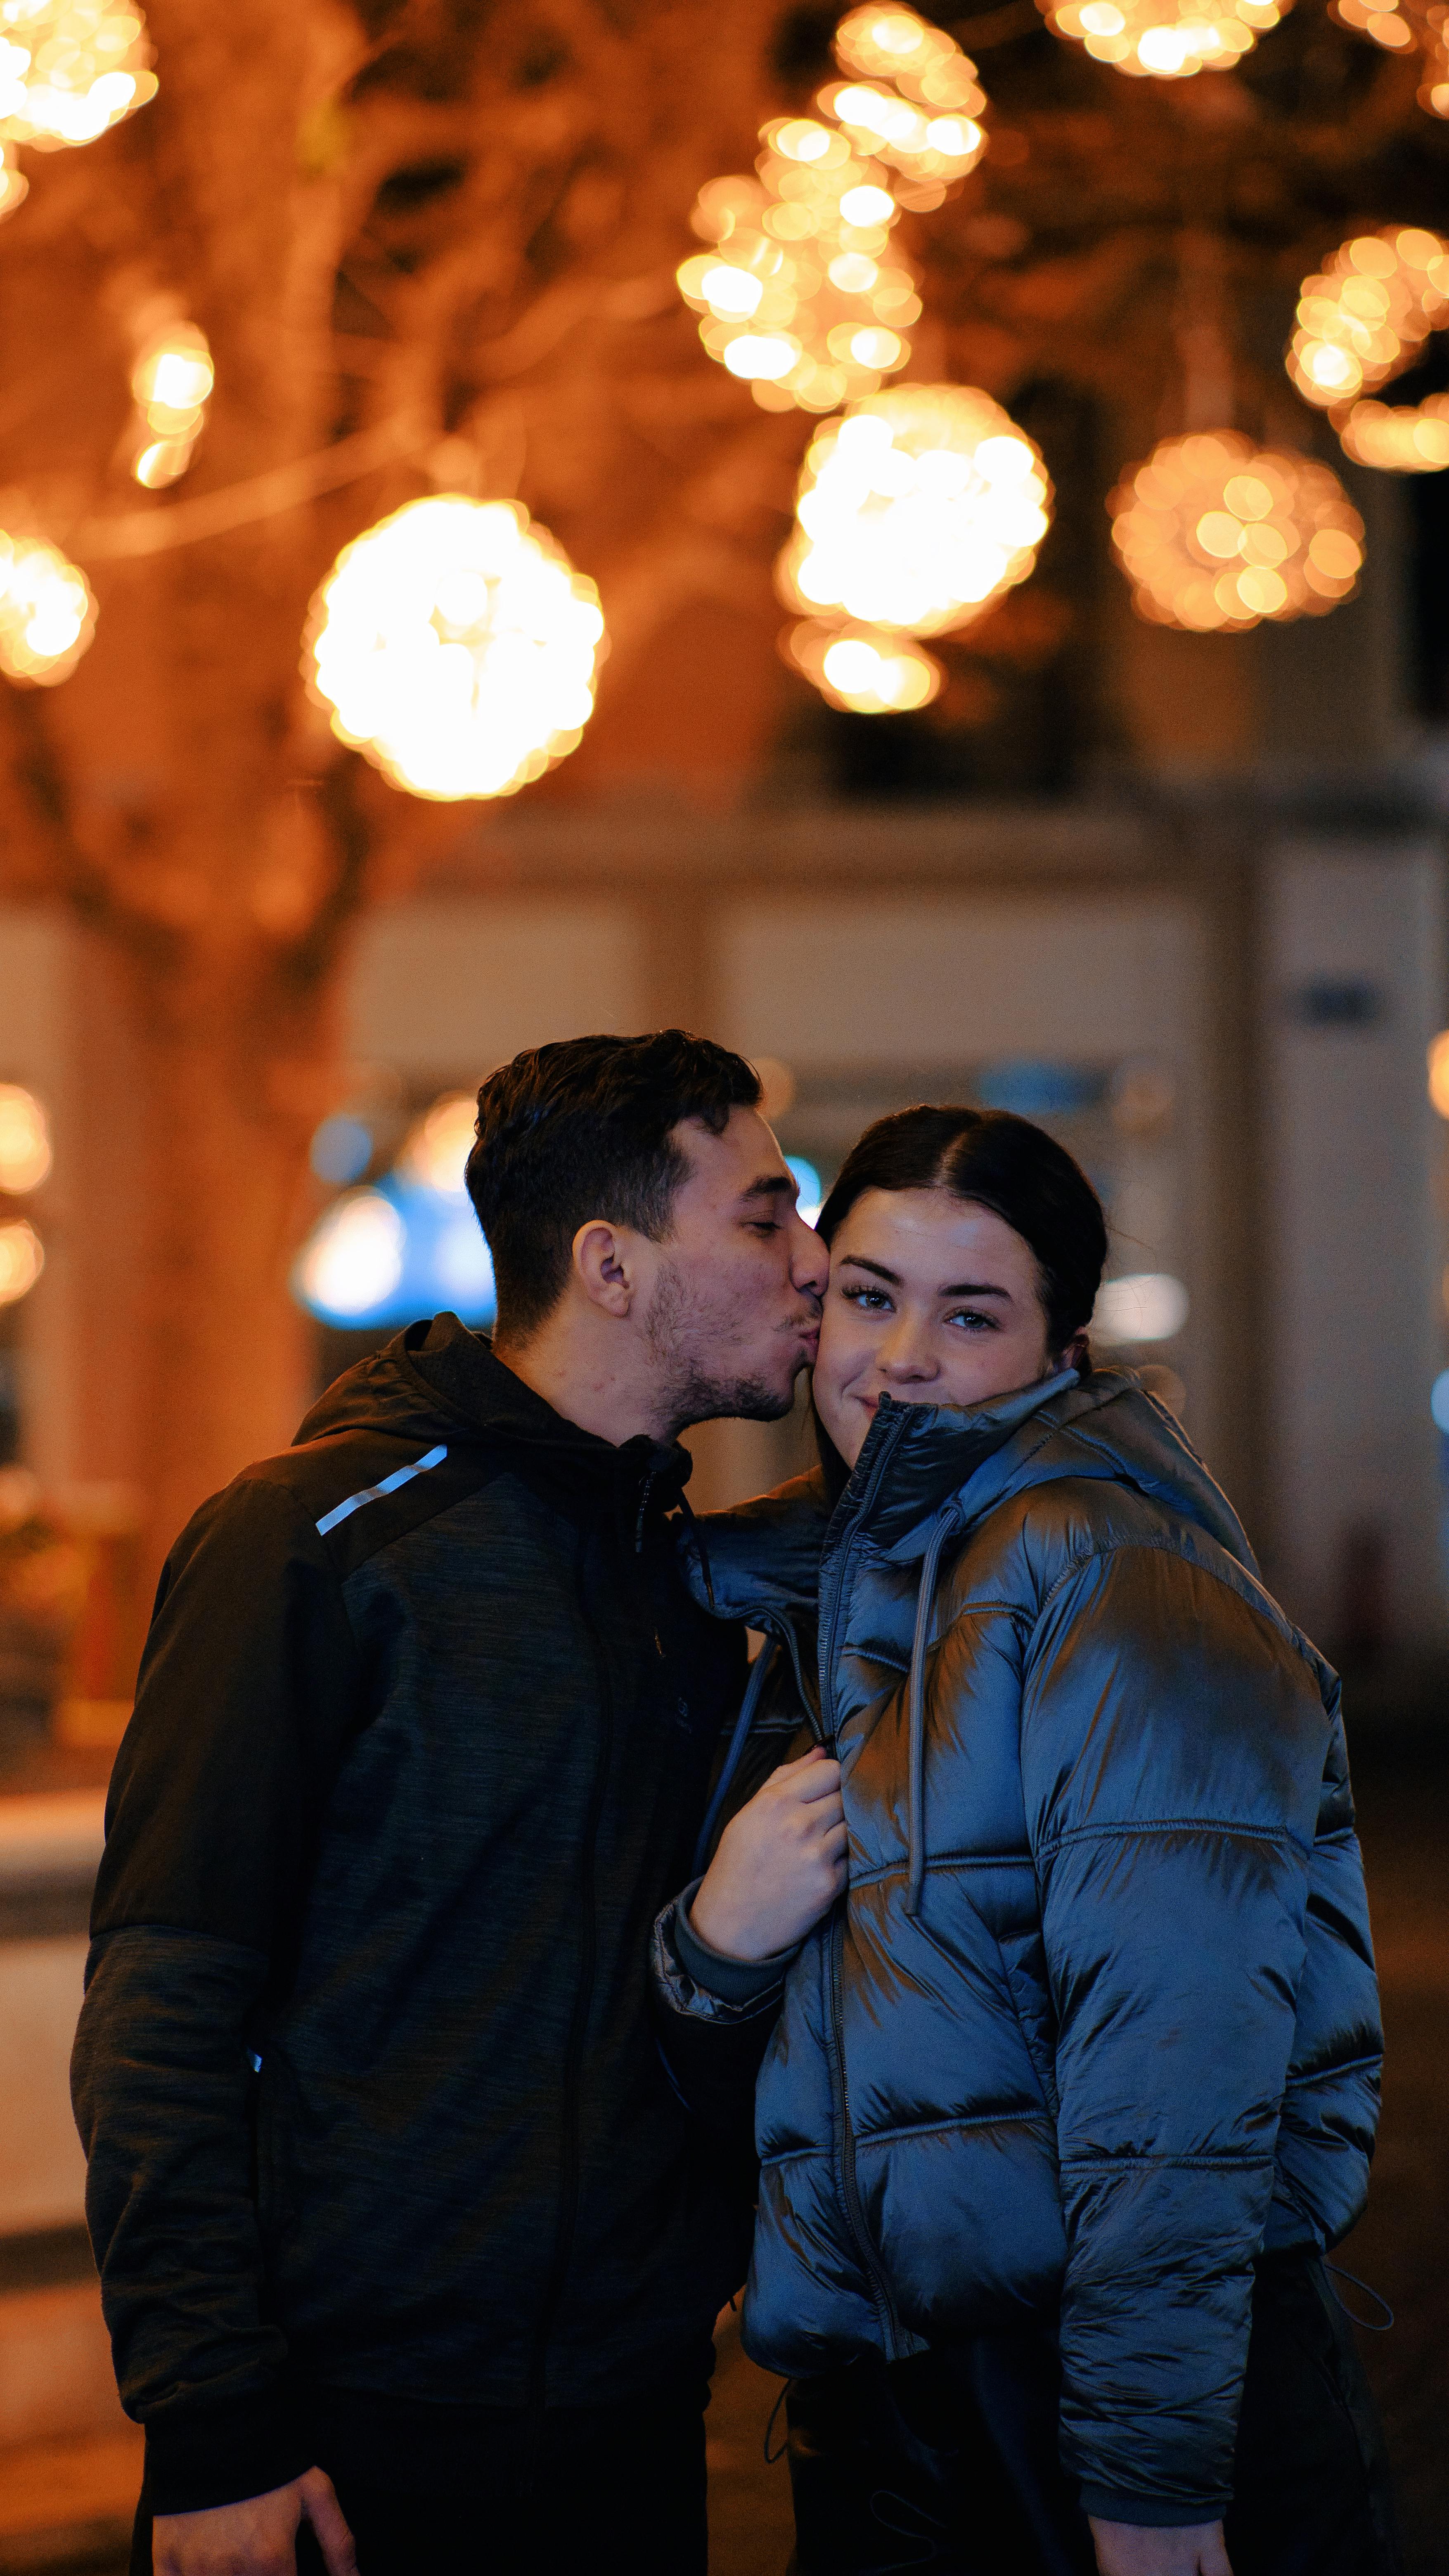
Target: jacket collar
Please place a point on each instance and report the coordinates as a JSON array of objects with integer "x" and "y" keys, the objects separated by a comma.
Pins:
[{"x": 918, "y": 1456}]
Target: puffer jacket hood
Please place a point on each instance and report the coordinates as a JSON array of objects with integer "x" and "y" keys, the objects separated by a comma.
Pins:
[{"x": 1096, "y": 2023}]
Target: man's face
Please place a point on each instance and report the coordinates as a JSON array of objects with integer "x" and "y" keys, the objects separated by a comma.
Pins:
[{"x": 733, "y": 1308}]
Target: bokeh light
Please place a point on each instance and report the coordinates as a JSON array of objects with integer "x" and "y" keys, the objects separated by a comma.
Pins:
[
  {"x": 1362, "y": 320},
  {"x": 915, "y": 512},
  {"x": 1413, "y": 439},
  {"x": 801, "y": 295},
  {"x": 47, "y": 614},
  {"x": 1215, "y": 533},
  {"x": 14, "y": 186},
  {"x": 341, "y": 1148},
  {"x": 70, "y": 69},
  {"x": 1399, "y": 26},
  {"x": 862, "y": 668},
  {"x": 171, "y": 382},
  {"x": 25, "y": 1151},
  {"x": 440, "y": 1144},
  {"x": 457, "y": 647},
  {"x": 1164, "y": 39},
  {"x": 22, "y": 1259},
  {"x": 1439, "y": 1073},
  {"x": 353, "y": 1259},
  {"x": 1147, "y": 1306}
]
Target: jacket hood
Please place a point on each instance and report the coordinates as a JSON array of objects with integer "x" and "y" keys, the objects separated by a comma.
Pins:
[
  {"x": 918, "y": 1459},
  {"x": 1102, "y": 1427},
  {"x": 439, "y": 1382}
]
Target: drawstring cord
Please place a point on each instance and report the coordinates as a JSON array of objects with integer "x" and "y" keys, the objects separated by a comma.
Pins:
[
  {"x": 916, "y": 1714},
  {"x": 754, "y": 1690},
  {"x": 697, "y": 1534},
  {"x": 1370, "y": 2325}
]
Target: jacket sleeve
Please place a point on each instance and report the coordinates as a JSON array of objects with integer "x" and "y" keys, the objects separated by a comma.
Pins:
[
  {"x": 1173, "y": 1745},
  {"x": 248, "y": 1690}
]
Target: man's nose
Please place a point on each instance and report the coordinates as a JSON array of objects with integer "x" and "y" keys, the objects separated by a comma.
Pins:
[{"x": 809, "y": 1260}]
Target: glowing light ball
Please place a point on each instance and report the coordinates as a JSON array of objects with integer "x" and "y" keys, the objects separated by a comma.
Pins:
[
  {"x": 171, "y": 383},
  {"x": 14, "y": 186},
  {"x": 457, "y": 647},
  {"x": 1412, "y": 440},
  {"x": 801, "y": 296},
  {"x": 1215, "y": 534},
  {"x": 25, "y": 1155},
  {"x": 863, "y": 668},
  {"x": 915, "y": 512},
  {"x": 22, "y": 1259},
  {"x": 353, "y": 1259},
  {"x": 440, "y": 1144},
  {"x": 1362, "y": 321},
  {"x": 69, "y": 69},
  {"x": 47, "y": 614},
  {"x": 1399, "y": 26},
  {"x": 1164, "y": 39}
]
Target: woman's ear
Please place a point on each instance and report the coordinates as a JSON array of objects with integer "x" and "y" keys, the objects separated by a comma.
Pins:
[{"x": 1078, "y": 1354}]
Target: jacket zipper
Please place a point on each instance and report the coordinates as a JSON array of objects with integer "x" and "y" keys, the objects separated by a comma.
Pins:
[
  {"x": 870, "y": 2262},
  {"x": 568, "y": 2198}
]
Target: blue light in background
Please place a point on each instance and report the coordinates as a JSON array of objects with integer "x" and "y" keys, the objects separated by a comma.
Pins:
[
  {"x": 1036, "y": 1087},
  {"x": 1439, "y": 1401},
  {"x": 341, "y": 1149},
  {"x": 807, "y": 1181},
  {"x": 392, "y": 1254}
]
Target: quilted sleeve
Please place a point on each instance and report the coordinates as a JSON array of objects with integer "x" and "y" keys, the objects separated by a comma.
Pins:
[{"x": 1174, "y": 1740}]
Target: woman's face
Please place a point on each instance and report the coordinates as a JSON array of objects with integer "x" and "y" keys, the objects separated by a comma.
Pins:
[{"x": 932, "y": 1300}]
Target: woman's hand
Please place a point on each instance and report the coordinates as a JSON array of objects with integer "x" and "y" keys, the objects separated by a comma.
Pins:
[
  {"x": 780, "y": 1863},
  {"x": 1130, "y": 2549}
]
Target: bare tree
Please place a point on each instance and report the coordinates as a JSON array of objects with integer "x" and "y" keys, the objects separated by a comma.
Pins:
[{"x": 425, "y": 234}]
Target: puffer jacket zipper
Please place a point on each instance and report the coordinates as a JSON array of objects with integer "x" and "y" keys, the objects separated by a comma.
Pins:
[
  {"x": 568, "y": 2197},
  {"x": 870, "y": 2262}
]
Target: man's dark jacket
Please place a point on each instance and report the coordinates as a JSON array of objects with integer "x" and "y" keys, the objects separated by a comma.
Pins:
[{"x": 365, "y": 2072}]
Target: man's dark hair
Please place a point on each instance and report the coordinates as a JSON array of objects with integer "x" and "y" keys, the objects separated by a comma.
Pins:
[{"x": 580, "y": 1130}]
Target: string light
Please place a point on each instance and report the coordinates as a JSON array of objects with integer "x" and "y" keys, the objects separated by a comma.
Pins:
[
  {"x": 22, "y": 1259},
  {"x": 1361, "y": 322},
  {"x": 171, "y": 383},
  {"x": 14, "y": 186},
  {"x": 70, "y": 69},
  {"x": 25, "y": 1154},
  {"x": 801, "y": 294},
  {"x": 457, "y": 647},
  {"x": 1216, "y": 534},
  {"x": 916, "y": 511},
  {"x": 1400, "y": 25},
  {"x": 862, "y": 668},
  {"x": 913, "y": 514},
  {"x": 47, "y": 614},
  {"x": 1164, "y": 39},
  {"x": 1413, "y": 440}
]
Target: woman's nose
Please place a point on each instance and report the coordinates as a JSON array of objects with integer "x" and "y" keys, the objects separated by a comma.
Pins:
[{"x": 905, "y": 1353}]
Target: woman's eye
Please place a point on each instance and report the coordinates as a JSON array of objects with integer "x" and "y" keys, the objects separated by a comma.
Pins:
[
  {"x": 872, "y": 1300},
  {"x": 971, "y": 1320}
]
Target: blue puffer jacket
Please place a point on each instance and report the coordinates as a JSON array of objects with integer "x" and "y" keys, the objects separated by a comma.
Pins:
[{"x": 1097, "y": 2021}]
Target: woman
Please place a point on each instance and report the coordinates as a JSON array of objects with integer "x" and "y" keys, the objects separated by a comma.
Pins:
[{"x": 1065, "y": 2100}]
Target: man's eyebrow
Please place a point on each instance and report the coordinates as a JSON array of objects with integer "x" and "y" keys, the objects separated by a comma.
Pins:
[{"x": 773, "y": 1185}]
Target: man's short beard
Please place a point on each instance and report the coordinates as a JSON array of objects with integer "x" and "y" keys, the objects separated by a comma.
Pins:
[{"x": 680, "y": 1331}]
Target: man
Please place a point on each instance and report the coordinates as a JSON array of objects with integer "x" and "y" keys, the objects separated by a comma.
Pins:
[{"x": 400, "y": 2236}]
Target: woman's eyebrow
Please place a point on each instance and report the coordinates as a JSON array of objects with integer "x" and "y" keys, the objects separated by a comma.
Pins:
[
  {"x": 974, "y": 1288},
  {"x": 877, "y": 1269}
]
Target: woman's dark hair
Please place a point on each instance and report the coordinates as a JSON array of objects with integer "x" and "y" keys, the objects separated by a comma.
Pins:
[{"x": 998, "y": 1161}]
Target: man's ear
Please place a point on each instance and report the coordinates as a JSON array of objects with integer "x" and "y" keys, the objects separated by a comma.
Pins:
[{"x": 604, "y": 1265}]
